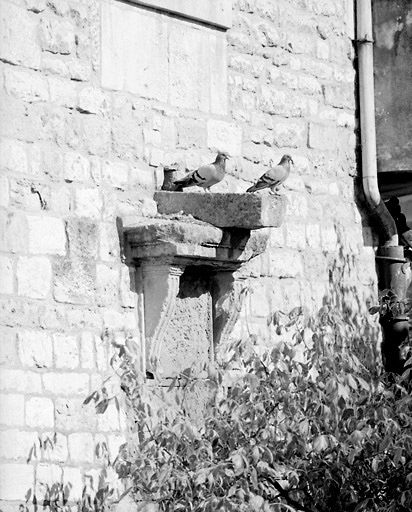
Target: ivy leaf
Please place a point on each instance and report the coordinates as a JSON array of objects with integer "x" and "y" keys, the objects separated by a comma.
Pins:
[{"x": 320, "y": 443}]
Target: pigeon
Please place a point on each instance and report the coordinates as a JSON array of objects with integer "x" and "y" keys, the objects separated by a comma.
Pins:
[
  {"x": 206, "y": 176},
  {"x": 274, "y": 177}
]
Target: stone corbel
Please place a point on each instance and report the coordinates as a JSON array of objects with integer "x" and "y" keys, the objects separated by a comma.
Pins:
[{"x": 215, "y": 232}]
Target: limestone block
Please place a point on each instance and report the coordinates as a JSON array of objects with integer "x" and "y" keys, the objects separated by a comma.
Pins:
[
  {"x": 20, "y": 380},
  {"x": 245, "y": 211},
  {"x": 63, "y": 92},
  {"x": 322, "y": 136},
  {"x": 92, "y": 100},
  {"x": 313, "y": 237},
  {"x": 133, "y": 60},
  {"x": 34, "y": 277},
  {"x": 339, "y": 95},
  {"x": 109, "y": 420},
  {"x": 15, "y": 480},
  {"x": 329, "y": 239},
  {"x": 28, "y": 86},
  {"x": 88, "y": 203},
  {"x": 66, "y": 384},
  {"x": 87, "y": 350},
  {"x": 295, "y": 235},
  {"x": 74, "y": 281},
  {"x": 109, "y": 249},
  {"x": 273, "y": 101},
  {"x": 57, "y": 36},
  {"x": 290, "y": 135},
  {"x": 107, "y": 284},
  {"x": 285, "y": 263},
  {"x": 189, "y": 68},
  {"x": 18, "y": 37},
  {"x": 322, "y": 50},
  {"x": 46, "y": 235},
  {"x": 127, "y": 140},
  {"x": 35, "y": 349},
  {"x": 79, "y": 71},
  {"x": 84, "y": 318},
  {"x": 75, "y": 478},
  {"x": 96, "y": 134},
  {"x": 224, "y": 136},
  {"x": 60, "y": 201},
  {"x": 6, "y": 274},
  {"x": 118, "y": 320},
  {"x": 83, "y": 239},
  {"x": 15, "y": 444},
  {"x": 13, "y": 156},
  {"x": 115, "y": 174},
  {"x": 8, "y": 350},
  {"x": 40, "y": 412},
  {"x": 19, "y": 313},
  {"x": 54, "y": 446},
  {"x": 71, "y": 415},
  {"x": 81, "y": 447},
  {"x": 12, "y": 409},
  {"x": 48, "y": 476},
  {"x": 66, "y": 350},
  {"x": 128, "y": 287},
  {"x": 4, "y": 192}
]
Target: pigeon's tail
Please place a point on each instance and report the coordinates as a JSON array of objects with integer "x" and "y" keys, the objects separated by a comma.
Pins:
[
  {"x": 251, "y": 189},
  {"x": 187, "y": 181}
]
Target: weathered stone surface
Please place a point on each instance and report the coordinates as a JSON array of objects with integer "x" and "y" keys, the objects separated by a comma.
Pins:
[
  {"x": 40, "y": 412},
  {"x": 244, "y": 211},
  {"x": 35, "y": 349},
  {"x": 12, "y": 409},
  {"x": 46, "y": 235},
  {"x": 15, "y": 480},
  {"x": 224, "y": 136},
  {"x": 187, "y": 238},
  {"x": 28, "y": 86},
  {"x": 15, "y": 444},
  {"x": 18, "y": 41},
  {"x": 6, "y": 274},
  {"x": 34, "y": 277},
  {"x": 57, "y": 36}
]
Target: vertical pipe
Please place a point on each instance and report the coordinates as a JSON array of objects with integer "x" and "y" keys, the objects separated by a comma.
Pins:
[{"x": 364, "y": 34}]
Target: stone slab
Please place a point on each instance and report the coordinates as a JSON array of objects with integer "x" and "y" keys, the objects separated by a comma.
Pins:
[
  {"x": 183, "y": 238},
  {"x": 244, "y": 211}
]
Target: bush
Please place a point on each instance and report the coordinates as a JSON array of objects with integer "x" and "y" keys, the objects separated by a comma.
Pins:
[{"x": 309, "y": 424}]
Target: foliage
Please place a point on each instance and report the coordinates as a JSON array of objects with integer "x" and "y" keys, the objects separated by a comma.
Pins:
[
  {"x": 391, "y": 305},
  {"x": 307, "y": 424}
]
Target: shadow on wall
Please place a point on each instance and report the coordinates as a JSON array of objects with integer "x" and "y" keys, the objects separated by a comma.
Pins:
[{"x": 53, "y": 494}]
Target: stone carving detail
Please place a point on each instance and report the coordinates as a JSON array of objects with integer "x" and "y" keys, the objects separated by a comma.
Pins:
[
  {"x": 229, "y": 296},
  {"x": 160, "y": 289}
]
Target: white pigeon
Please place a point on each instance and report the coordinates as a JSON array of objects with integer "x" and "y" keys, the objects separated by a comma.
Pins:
[
  {"x": 274, "y": 177},
  {"x": 206, "y": 176}
]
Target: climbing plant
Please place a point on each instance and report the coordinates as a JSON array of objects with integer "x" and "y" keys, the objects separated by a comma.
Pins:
[{"x": 308, "y": 423}]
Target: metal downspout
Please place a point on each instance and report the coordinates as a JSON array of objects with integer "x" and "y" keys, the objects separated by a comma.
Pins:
[{"x": 378, "y": 210}]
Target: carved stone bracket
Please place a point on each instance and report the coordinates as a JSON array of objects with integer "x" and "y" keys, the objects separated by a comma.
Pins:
[{"x": 164, "y": 247}]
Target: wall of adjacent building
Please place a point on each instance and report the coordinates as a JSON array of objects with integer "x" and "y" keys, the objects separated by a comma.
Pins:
[{"x": 95, "y": 97}]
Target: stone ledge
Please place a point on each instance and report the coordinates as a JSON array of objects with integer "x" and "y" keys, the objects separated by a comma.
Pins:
[
  {"x": 244, "y": 211},
  {"x": 184, "y": 238}
]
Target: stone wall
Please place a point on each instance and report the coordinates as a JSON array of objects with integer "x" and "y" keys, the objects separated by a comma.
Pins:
[{"x": 95, "y": 97}]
